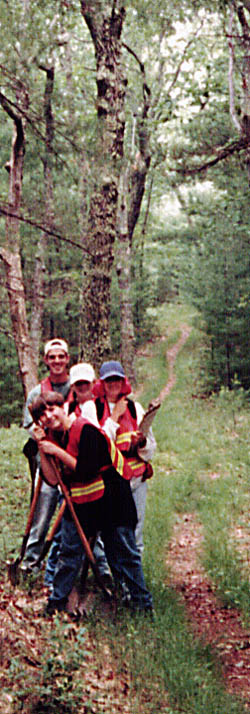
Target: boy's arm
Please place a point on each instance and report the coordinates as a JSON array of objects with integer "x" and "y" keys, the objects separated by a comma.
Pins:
[{"x": 51, "y": 449}]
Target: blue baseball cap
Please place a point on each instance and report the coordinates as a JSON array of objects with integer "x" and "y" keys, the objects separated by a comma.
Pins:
[{"x": 111, "y": 369}]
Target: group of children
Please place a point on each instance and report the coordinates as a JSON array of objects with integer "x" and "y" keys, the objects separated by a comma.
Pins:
[{"x": 90, "y": 429}]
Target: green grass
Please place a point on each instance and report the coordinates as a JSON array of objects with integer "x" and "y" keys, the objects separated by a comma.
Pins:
[
  {"x": 169, "y": 671},
  {"x": 15, "y": 486}
]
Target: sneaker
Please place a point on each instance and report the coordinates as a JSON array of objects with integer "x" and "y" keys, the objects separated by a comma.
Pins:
[
  {"x": 29, "y": 569},
  {"x": 142, "y": 611},
  {"x": 53, "y": 606},
  {"x": 49, "y": 587},
  {"x": 108, "y": 581}
]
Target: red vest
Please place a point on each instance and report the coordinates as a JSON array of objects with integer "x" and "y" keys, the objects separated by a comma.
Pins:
[
  {"x": 128, "y": 427},
  {"x": 46, "y": 386},
  {"x": 84, "y": 492}
]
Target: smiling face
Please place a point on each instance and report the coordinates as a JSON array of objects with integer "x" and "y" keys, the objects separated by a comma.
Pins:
[
  {"x": 83, "y": 390},
  {"x": 57, "y": 361},
  {"x": 112, "y": 388},
  {"x": 54, "y": 417}
]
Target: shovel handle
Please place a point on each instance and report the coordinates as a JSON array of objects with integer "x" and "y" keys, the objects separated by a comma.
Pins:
[
  {"x": 51, "y": 534},
  {"x": 33, "y": 505},
  {"x": 57, "y": 522},
  {"x": 29, "y": 521},
  {"x": 67, "y": 497},
  {"x": 80, "y": 531}
]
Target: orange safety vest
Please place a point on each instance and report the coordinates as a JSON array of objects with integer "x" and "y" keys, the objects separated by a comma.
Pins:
[
  {"x": 84, "y": 492},
  {"x": 127, "y": 428}
]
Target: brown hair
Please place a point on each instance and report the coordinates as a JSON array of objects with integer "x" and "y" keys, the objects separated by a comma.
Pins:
[{"x": 38, "y": 406}]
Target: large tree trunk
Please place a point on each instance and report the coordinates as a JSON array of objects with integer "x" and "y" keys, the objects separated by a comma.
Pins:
[
  {"x": 123, "y": 269},
  {"x": 245, "y": 43},
  {"x": 39, "y": 273},
  {"x": 105, "y": 21},
  {"x": 11, "y": 256}
]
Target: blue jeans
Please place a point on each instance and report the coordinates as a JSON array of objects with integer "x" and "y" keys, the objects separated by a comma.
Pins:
[
  {"x": 68, "y": 563},
  {"x": 123, "y": 558},
  {"x": 100, "y": 556},
  {"x": 139, "y": 493},
  {"x": 53, "y": 553},
  {"x": 52, "y": 558},
  {"x": 125, "y": 563}
]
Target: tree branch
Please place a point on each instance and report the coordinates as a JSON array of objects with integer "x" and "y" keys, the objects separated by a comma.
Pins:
[
  {"x": 238, "y": 145},
  {"x": 189, "y": 43},
  {"x": 5, "y": 212}
]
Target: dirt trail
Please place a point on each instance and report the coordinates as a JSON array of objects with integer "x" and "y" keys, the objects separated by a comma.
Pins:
[
  {"x": 214, "y": 623},
  {"x": 211, "y": 621},
  {"x": 171, "y": 357}
]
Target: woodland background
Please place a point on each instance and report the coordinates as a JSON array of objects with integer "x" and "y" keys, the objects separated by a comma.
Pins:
[{"x": 124, "y": 182}]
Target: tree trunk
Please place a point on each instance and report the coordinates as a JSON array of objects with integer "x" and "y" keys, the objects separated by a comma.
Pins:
[
  {"x": 39, "y": 273},
  {"x": 11, "y": 256},
  {"x": 132, "y": 188},
  {"x": 105, "y": 21},
  {"x": 245, "y": 109},
  {"x": 123, "y": 269}
]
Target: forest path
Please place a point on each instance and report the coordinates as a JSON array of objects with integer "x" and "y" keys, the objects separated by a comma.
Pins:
[
  {"x": 171, "y": 357},
  {"x": 210, "y": 620},
  {"x": 213, "y": 623}
]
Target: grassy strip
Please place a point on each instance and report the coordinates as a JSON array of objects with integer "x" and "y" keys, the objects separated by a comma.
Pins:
[{"x": 15, "y": 484}]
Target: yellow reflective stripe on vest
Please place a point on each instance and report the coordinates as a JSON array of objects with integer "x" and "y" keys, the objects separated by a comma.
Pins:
[
  {"x": 116, "y": 458},
  {"x": 125, "y": 437},
  {"x": 86, "y": 490},
  {"x": 137, "y": 466}
]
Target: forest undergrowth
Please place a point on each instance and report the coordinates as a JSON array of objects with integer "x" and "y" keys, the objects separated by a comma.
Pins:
[{"x": 196, "y": 562}]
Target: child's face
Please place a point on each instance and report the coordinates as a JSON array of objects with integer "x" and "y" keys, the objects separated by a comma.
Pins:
[
  {"x": 83, "y": 390},
  {"x": 53, "y": 417},
  {"x": 113, "y": 387}
]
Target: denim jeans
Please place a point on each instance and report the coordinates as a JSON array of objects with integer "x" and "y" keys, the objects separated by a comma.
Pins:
[
  {"x": 68, "y": 563},
  {"x": 100, "y": 556},
  {"x": 123, "y": 558},
  {"x": 53, "y": 553},
  {"x": 45, "y": 508},
  {"x": 139, "y": 493},
  {"x": 125, "y": 563}
]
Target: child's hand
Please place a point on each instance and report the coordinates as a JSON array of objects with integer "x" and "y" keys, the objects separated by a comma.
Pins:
[
  {"x": 47, "y": 447},
  {"x": 38, "y": 432},
  {"x": 119, "y": 408}
]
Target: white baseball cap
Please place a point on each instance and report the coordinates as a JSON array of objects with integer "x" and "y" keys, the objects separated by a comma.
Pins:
[
  {"x": 81, "y": 372},
  {"x": 56, "y": 342}
]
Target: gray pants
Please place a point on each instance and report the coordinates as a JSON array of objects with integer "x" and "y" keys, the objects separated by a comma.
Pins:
[{"x": 45, "y": 509}]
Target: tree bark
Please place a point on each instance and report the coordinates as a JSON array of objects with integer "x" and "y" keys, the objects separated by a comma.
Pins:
[
  {"x": 105, "y": 22},
  {"x": 123, "y": 269},
  {"x": 11, "y": 256},
  {"x": 245, "y": 42},
  {"x": 39, "y": 273}
]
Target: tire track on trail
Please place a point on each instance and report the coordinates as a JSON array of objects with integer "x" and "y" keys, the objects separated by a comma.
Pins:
[
  {"x": 171, "y": 357},
  {"x": 211, "y": 621}
]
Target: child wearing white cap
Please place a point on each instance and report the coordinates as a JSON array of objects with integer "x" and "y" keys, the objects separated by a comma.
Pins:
[{"x": 82, "y": 379}]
